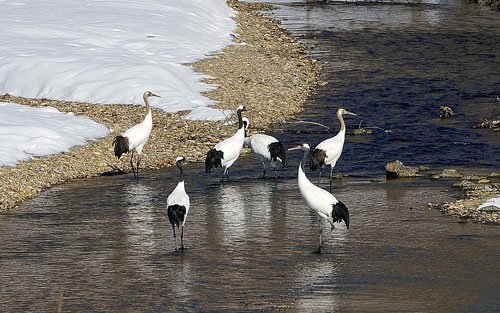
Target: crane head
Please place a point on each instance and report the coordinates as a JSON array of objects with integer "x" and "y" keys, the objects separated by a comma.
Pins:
[
  {"x": 342, "y": 111},
  {"x": 241, "y": 108},
  {"x": 148, "y": 94}
]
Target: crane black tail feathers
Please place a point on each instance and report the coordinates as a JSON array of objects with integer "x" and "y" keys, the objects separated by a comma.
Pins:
[
  {"x": 214, "y": 159},
  {"x": 277, "y": 151},
  {"x": 176, "y": 214},
  {"x": 317, "y": 159},
  {"x": 340, "y": 212},
  {"x": 121, "y": 145}
]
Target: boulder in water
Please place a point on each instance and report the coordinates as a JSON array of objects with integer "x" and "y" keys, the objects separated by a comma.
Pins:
[
  {"x": 445, "y": 112},
  {"x": 448, "y": 173},
  {"x": 397, "y": 169}
]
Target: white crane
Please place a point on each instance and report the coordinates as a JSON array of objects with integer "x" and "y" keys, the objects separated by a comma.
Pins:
[
  {"x": 178, "y": 204},
  {"x": 328, "y": 151},
  {"x": 319, "y": 200},
  {"x": 134, "y": 138},
  {"x": 267, "y": 148},
  {"x": 226, "y": 152}
]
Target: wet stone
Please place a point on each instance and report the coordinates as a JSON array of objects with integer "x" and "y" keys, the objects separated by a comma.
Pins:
[
  {"x": 397, "y": 169},
  {"x": 449, "y": 173},
  {"x": 445, "y": 112},
  {"x": 493, "y": 124},
  {"x": 360, "y": 132}
]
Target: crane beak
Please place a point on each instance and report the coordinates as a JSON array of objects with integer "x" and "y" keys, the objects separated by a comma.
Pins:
[
  {"x": 153, "y": 95},
  {"x": 299, "y": 147},
  {"x": 350, "y": 113}
]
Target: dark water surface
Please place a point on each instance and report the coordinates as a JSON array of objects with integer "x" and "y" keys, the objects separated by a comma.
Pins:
[
  {"x": 105, "y": 245},
  {"x": 395, "y": 65}
]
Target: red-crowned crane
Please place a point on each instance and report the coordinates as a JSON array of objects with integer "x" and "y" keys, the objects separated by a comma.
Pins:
[
  {"x": 267, "y": 148},
  {"x": 226, "y": 152},
  {"x": 178, "y": 204},
  {"x": 134, "y": 139},
  {"x": 328, "y": 151},
  {"x": 326, "y": 206}
]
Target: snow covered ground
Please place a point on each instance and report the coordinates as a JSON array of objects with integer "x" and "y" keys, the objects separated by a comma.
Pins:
[
  {"x": 27, "y": 132},
  {"x": 104, "y": 51}
]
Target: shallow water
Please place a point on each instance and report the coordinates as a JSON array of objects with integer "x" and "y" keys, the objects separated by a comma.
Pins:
[{"x": 105, "y": 245}]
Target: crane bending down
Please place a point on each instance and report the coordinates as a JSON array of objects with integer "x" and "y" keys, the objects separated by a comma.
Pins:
[
  {"x": 134, "y": 138},
  {"x": 178, "y": 204},
  {"x": 267, "y": 148},
  {"x": 322, "y": 202},
  {"x": 328, "y": 151},
  {"x": 226, "y": 152}
]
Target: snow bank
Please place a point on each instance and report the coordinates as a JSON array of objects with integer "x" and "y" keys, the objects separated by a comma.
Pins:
[
  {"x": 27, "y": 132},
  {"x": 103, "y": 51},
  {"x": 491, "y": 202}
]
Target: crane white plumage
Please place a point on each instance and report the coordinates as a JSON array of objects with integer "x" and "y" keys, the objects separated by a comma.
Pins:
[
  {"x": 226, "y": 152},
  {"x": 326, "y": 206},
  {"x": 267, "y": 148},
  {"x": 134, "y": 138},
  {"x": 328, "y": 151},
  {"x": 178, "y": 204}
]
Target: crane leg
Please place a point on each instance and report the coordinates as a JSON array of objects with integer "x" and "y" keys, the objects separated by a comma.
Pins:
[
  {"x": 331, "y": 178},
  {"x": 182, "y": 237},
  {"x": 223, "y": 174},
  {"x": 132, "y": 162},
  {"x": 320, "y": 246},
  {"x": 175, "y": 237},
  {"x": 319, "y": 177},
  {"x": 264, "y": 173},
  {"x": 332, "y": 226},
  {"x": 275, "y": 173},
  {"x": 138, "y": 163}
]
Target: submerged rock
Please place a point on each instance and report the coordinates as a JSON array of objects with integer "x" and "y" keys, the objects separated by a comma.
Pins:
[
  {"x": 493, "y": 124},
  {"x": 494, "y": 175},
  {"x": 397, "y": 169},
  {"x": 360, "y": 131},
  {"x": 473, "y": 177},
  {"x": 447, "y": 173},
  {"x": 445, "y": 112},
  {"x": 423, "y": 168}
]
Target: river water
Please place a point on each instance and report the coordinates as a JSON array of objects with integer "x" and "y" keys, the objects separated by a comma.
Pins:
[{"x": 105, "y": 245}]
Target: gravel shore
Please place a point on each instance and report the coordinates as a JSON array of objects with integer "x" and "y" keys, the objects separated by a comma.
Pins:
[
  {"x": 269, "y": 72},
  {"x": 477, "y": 190}
]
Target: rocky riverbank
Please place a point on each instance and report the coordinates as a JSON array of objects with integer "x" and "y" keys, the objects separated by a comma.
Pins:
[
  {"x": 269, "y": 72},
  {"x": 477, "y": 189}
]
